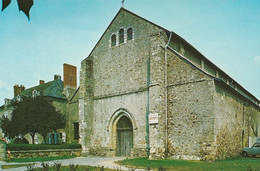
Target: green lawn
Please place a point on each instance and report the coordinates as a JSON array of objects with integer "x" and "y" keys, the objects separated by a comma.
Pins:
[
  {"x": 229, "y": 164},
  {"x": 63, "y": 168},
  {"x": 80, "y": 168}
]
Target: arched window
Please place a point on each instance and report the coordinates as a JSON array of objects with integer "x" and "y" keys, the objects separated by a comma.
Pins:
[
  {"x": 129, "y": 34},
  {"x": 35, "y": 93},
  {"x": 113, "y": 40},
  {"x": 18, "y": 98},
  {"x": 7, "y": 102},
  {"x": 121, "y": 36}
]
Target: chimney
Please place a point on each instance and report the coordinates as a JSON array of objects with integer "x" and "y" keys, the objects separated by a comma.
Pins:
[
  {"x": 69, "y": 76},
  {"x": 18, "y": 89},
  {"x": 57, "y": 77},
  {"x": 41, "y": 82}
]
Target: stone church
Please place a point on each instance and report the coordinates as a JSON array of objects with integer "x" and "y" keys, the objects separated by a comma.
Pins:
[{"x": 145, "y": 91}]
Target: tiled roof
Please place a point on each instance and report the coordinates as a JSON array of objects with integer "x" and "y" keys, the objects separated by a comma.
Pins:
[{"x": 51, "y": 89}]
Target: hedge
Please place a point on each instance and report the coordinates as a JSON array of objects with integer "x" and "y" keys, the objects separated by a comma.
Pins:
[{"x": 24, "y": 147}]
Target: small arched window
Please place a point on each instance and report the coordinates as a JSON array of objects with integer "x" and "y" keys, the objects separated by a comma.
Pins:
[
  {"x": 129, "y": 34},
  {"x": 35, "y": 93},
  {"x": 121, "y": 36},
  {"x": 7, "y": 102},
  {"x": 113, "y": 40},
  {"x": 18, "y": 98}
]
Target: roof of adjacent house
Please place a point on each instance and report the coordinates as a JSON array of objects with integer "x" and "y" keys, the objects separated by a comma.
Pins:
[{"x": 51, "y": 89}]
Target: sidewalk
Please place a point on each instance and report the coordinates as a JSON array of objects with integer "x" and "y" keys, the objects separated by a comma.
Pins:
[{"x": 107, "y": 162}]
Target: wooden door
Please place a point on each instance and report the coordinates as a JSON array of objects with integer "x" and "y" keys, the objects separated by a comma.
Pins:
[{"x": 124, "y": 142}]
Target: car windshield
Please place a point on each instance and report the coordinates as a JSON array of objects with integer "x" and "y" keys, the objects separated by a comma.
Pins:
[{"x": 256, "y": 145}]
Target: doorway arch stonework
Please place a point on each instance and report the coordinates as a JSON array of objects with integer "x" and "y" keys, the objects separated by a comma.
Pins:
[{"x": 113, "y": 123}]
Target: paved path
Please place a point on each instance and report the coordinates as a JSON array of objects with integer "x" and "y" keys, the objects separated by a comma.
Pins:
[{"x": 107, "y": 162}]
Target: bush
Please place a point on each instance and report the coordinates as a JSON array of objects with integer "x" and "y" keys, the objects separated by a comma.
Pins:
[
  {"x": 57, "y": 166},
  {"x": 73, "y": 167},
  {"x": 20, "y": 141},
  {"x": 24, "y": 147}
]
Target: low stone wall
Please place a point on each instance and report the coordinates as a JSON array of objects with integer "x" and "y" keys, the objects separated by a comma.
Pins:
[
  {"x": 45, "y": 153},
  {"x": 2, "y": 150}
]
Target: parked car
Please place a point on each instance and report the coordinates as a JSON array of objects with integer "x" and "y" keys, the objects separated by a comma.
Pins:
[{"x": 253, "y": 151}]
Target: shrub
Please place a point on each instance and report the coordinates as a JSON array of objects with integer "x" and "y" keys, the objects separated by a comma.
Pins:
[
  {"x": 161, "y": 168},
  {"x": 20, "y": 141},
  {"x": 24, "y": 147},
  {"x": 45, "y": 166},
  {"x": 31, "y": 167},
  {"x": 73, "y": 167},
  {"x": 57, "y": 166}
]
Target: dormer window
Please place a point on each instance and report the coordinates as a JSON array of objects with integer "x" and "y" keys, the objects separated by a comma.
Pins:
[
  {"x": 18, "y": 98},
  {"x": 129, "y": 34},
  {"x": 35, "y": 93},
  {"x": 113, "y": 40},
  {"x": 121, "y": 36},
  {"x": 7, "y": 101}
]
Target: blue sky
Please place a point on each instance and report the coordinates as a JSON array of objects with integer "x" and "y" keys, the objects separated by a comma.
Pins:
[{"x": 227, "y": 32}]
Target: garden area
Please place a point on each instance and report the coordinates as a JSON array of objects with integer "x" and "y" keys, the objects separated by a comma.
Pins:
[
  {"x": 238, "y": 163},
  {"x": 235, "y": 164}
]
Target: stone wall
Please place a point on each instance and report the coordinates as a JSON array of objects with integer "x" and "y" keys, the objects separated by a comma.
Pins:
[
  {"x": 60, "y": 105},
  {"x": 131, "y": 78},
  {"x": 115, "y": 78},
  {"x": 72, "y": 115},
  {"x": 236, "y": 119},
  {"x": 44, "y": 153},
  {"x": 190, "y": 111},
  {"x": 106, "y": 113},
  {"x": 157, "y": 132},
  {"x": 122, "y": 68},
  {"x": 2, "y": 150}
]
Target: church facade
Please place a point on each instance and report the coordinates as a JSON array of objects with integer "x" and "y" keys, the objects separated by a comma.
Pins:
[{"x": 145, "y": 91}]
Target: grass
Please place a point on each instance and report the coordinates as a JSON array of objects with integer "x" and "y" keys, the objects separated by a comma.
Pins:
[
  {"x": 80, "y": 168},
  {"x": 40, "y": 159},
  {"x": 228, "y": 164},
  {"x": 63, "y": 168}
]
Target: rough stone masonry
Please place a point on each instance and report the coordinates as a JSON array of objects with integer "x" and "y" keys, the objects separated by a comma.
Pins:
[{"x": 139, "y": 70}]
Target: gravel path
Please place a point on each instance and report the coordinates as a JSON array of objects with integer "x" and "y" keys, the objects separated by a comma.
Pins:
[{"x": 107, "y": 162}]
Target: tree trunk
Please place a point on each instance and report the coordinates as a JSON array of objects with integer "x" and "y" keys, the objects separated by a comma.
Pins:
[
  {"x": 32, "y": 135},
  {"x": 44, "y": 139}
]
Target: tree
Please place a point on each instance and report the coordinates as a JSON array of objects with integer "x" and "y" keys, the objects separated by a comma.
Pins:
[
  {"x": 31, "y": 116},
  {"x": 5, "y": 125},
  {"x": 24, "y": 5}
]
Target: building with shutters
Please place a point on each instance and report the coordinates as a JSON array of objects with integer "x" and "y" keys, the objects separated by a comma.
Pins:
[
  {"x": 61, "y": 94},
  {"x": 145, "y": 91}
]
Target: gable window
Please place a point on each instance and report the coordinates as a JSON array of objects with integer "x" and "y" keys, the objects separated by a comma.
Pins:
[
  {"x": 35, "y": 93},
  {"x": 18, "y": 98},
  {"x": 7, "y": 102},
  {"x": 76, "y": 130},
  {"x": 129, "y": 34},
  {"x": 121, "y": 36},
  {"x": 113, "y": 40}
]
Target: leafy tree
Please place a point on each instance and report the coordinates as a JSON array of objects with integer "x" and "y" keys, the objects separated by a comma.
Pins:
[
  {"x": 6, "y": 127},
  {"x": 24, "y": 5},
  {"x": 31, "y": 116}
]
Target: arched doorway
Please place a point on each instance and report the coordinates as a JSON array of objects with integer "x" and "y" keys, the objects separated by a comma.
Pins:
[{"x": 124, "y": 138}]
